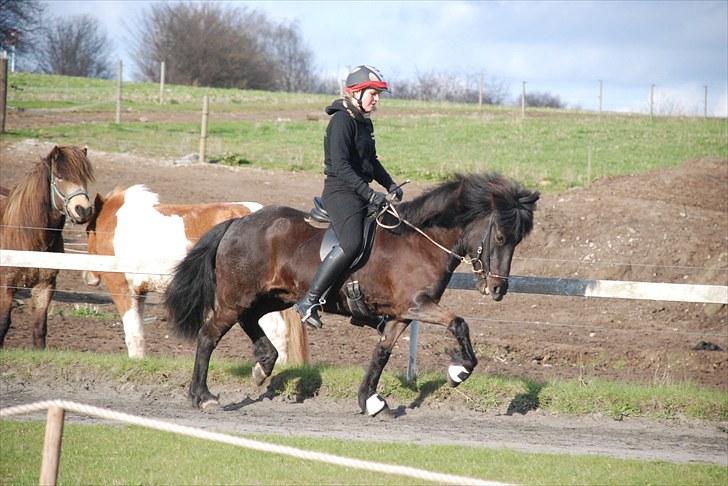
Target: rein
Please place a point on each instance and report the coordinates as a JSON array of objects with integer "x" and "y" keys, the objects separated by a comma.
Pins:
[
  {"x": 476, "y": 264},
  {"x": 55, "y": 191}
]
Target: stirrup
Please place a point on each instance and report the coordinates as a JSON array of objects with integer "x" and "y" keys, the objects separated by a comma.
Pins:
[{"x": 308, "y": 317}]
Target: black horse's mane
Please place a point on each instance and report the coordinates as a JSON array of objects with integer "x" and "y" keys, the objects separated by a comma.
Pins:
[{"x": 466, "y": 198}]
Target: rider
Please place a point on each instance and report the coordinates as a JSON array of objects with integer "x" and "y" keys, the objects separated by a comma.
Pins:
[{"x": 351, "y": 163}]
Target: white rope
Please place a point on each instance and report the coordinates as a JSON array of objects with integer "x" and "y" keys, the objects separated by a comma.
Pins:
[{"x": 247, "y": 443}]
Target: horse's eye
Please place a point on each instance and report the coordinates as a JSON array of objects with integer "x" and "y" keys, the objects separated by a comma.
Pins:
[{"x": 500, "y": 239}]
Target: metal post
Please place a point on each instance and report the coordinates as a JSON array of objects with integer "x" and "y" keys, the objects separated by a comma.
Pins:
[
  {"x": 414, "y": 328},
  {"x": 3, "y": 92},
  {"x": 161, "y": 83},
  {"x": 523, "y": 101},
  {"x": 118, "y": 92},
  {"x": 52, "y": 446},
  {"x": 203, "y": 128}
]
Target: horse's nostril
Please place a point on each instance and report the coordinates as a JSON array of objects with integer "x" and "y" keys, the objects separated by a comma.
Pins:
[{"x": 83, "y": 212}]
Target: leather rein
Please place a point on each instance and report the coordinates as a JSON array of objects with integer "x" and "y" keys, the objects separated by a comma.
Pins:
[{"x": 480, "y": 270}]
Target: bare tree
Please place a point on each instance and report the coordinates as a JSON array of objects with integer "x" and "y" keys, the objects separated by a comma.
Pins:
[
  {"x": 76, "y": 46},
  {"x": 292, "y": 59},
  {"x": 202, "y": 44},
  {"x": 20, "y": 23}
]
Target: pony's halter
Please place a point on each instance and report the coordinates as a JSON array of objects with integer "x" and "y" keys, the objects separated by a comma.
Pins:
[
  {"x": 480, "y": 269},
  {"x": 55, "y": 191}
]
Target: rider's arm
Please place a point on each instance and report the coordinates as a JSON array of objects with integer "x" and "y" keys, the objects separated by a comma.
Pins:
[{"x": 341, "y": 134}]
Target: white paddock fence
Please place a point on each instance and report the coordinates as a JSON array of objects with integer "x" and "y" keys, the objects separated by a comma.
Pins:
[
  {"x": 615, "y": 289},
  {"x": 54, "y": 434}
]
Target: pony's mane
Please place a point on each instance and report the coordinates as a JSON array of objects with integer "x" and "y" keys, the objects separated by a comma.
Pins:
[
  {"x": 28, "y": 207},
  {"x": 465, "y": 198}
]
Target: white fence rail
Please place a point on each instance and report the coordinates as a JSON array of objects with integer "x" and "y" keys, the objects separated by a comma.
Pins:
[{"x": 614, "y": 289}]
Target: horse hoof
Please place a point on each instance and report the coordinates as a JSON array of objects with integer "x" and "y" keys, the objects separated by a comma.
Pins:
[
  {"x": 375, "y": 404},
  {"x": 457, "y": 374},
  {"x": 259, "y": 375},
  {"x": 209, "y": 405}
]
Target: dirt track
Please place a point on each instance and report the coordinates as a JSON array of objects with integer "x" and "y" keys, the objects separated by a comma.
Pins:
[{"x": 668, "y": 226}]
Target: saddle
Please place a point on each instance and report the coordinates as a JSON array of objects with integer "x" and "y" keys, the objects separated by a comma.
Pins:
[{"x": 361, "y": 315}]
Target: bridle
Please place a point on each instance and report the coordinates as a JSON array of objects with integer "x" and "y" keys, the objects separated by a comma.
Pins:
[
  {"x": 480, "y": 269},
  {"x": 55, "y": 191}
]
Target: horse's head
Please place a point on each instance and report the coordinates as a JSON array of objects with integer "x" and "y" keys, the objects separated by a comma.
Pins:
[
  {"x": 69, "y": 172},
  {"x": 493, "y": 237}
]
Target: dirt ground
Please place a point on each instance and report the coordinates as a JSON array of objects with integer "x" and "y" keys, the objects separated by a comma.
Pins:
[{"x": 668, "y": 226}]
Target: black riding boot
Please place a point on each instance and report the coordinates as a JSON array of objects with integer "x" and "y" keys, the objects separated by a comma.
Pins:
[{"x": 335, "y": 263}]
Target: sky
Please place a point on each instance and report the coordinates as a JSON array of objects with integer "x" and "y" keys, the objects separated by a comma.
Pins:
[{"x": 564, "y": 48}]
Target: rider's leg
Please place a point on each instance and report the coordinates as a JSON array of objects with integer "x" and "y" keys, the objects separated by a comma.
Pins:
[
  {"x": 347, "y": 212},
  {"x": 335, "y": 264}
]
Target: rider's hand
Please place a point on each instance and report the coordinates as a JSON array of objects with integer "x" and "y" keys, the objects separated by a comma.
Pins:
[
  {"x": 395, "y": 192},
  {"x": 378, "y": 199}
]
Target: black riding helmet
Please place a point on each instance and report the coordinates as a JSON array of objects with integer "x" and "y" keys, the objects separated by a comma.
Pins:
[{"x": 363, "y": 77}]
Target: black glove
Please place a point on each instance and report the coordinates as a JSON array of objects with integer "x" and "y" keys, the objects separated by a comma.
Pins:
[
  {"x": 395, "y": 192},
  {"x": 377, "y": 199}
]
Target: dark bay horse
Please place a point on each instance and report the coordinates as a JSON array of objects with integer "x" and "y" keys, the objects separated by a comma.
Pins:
[
  {"x": 32, "y": 216},
  {"x": 246, "y": 268}
]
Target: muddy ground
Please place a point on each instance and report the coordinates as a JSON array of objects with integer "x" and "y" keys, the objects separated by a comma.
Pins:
[{"x": 666, "y": 226}]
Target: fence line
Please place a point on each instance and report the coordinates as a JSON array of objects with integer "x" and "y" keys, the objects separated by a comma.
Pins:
[
  {"x": 707, "y": 294},
  {"x": 227, "y": 439}
]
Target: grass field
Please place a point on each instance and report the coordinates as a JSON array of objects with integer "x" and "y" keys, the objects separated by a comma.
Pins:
[
  {"x": 132, "y": 455},
  {"x": 549, "y": 149}
]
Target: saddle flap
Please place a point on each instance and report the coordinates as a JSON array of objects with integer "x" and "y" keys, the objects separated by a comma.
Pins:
[{"x": 318, "y": 213}]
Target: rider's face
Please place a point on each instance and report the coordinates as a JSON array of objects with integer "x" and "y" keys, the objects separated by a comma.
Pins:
[{"x": 370, "y": 99}]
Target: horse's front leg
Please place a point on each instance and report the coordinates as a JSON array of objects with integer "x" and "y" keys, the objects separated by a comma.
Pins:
[
  {"x": 427, "y": 310},
  {"x": 41, "y": 299},
  {"x": 207, "y": 339},
  {"x": 369, "y": 400}
]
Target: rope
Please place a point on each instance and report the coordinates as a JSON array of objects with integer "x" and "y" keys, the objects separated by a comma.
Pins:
[{"x": 247, "y": 443}]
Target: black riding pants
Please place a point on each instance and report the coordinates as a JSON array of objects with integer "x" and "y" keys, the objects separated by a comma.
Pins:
[{"x": 347, "y": 211}]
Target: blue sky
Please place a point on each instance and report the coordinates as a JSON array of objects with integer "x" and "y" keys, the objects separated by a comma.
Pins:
[{"x": 560, "y": 47}]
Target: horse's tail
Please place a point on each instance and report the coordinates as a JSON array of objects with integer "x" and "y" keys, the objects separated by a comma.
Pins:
[{"x": 191, "y": 293}]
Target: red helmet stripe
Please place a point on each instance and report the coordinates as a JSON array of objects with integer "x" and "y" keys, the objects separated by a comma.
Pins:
[{"x": 368, "y": 84}]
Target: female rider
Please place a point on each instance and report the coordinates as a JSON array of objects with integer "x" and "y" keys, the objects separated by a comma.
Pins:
[{"x": 351, "y": 163}]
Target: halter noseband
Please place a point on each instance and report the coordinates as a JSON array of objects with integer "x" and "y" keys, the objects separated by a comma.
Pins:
[
  {"x": 55, "y": 191},
  {"x": 482, "y": 270}
]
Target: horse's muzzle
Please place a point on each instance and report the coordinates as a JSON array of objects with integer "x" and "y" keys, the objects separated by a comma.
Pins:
[
  {"x": 81, "y": 214},
  {"x": 496, "y": 287}
]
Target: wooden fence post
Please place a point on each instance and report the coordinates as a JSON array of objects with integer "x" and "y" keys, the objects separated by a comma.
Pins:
[
  {"x": 119, "y": 73},
  {"x": 52, "y": 446},
  {"x": 652, "y": 101},
  {"x": 3, "y": 92},
  {"x": 414, "y": 328},
  {"x": 705, "y": 102},
  {"x": 601, "y": 98},
  {"x": 161, "y": 82},
  {"x": 203, "y": 128},
  {"x": 523, "y": 101}
]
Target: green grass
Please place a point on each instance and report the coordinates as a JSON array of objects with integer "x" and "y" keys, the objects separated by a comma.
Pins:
[
  {"x": 133, "y": 455},
  {"x": 549, "y": 149},
  {"x": 482, "y": 392}
]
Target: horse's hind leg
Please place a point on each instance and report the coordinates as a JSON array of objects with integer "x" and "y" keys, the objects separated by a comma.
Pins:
[
  {"x": 207, "y": 339},
  {"x": 263, "y": 350},
  {"x": 369, "y": 400},
  {"x": 41, "y": 299},
  {"x": 6, "y": 305}
]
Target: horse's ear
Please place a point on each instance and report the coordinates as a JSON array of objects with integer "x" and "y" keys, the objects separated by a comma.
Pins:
[
  {"x": 85, "y": 150},
  {"x": 54, "y": 155},
  {"x": 528, "y": 199}
]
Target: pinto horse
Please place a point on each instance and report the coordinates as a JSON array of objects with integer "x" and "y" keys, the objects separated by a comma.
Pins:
[
  {"x": 32, "y": 216},
  {"x": 243, "y": 269},
  {"x": 129, "y": 223}
]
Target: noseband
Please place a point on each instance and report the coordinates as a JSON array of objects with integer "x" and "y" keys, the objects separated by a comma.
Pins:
[
  {"x": 55, "y": 191},
  {"x": 480, "y": 269}
]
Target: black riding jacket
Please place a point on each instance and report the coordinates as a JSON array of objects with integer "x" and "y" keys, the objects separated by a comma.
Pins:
[{"x": 350, "y": 154}]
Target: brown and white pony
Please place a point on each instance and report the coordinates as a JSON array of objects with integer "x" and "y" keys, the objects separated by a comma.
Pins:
[
  {"x": 32, "y": 216},
  {"x": 131, "y": 223}
]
